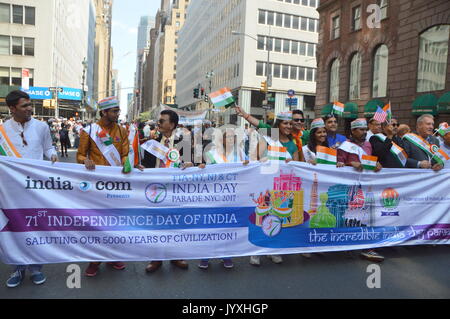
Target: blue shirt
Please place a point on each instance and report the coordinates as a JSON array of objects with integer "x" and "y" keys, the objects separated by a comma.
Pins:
[{"x": 338, "y": 139}]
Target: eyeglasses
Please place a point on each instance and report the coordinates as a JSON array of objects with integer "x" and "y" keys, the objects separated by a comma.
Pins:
[
  {"x": 394, "y": 124},
  {"x": 299, "y": 120},
  {"x": 23, "y": 139}
]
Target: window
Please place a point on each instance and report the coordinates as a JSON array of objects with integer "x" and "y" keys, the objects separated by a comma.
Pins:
[
  {"x": 269, "y": 44},
  {"x": 355, "y": 77},
  {"x": 262, "y": 17},
  {"x": 4, "y": 45},
  {"x": 312, "y": 25},
  {"x": 356, "y": 20},
  {"x": 259, "y": 68},
  {"x": 294, "y": 72},
  {"x": 286, "y": 46},
  {"x": 285, "y": 74},
  {"x": 17, "y": 14},
  {"x": 433, "y": 53},
  {"x": 277, "y": 45},
  {"x": 287, "y": 21},
  {"x": 304, "y": 24},
  {"x": 313, "y": 4},
  {"x": 260, "y": 42},
  {"x": 301, "y": 74},
  {"x": 383, "y": 7},
  {"x": 303, "y": 48},
  {"x": 279, "y": 22},
  {"x": 30, "y": 15},
  {"x": 276, "y": 70},
  {"x": 309, "y": 74},
  {"x": 16, "y": 76},
  {"x": 294, "y": 47},
  {"x": 178, "y": 15},
  {"x": 17, "y": 48},
  {"x": 334, "y": 81},
  {"x": 5, "y": 13},
  {"x": 29, "y": 46},
  {"x": 311, "y": 49},
  {"x": 270, "y": 17},
  {"x": 380, "y": 72},
  {"x": 335, "y": 31},
  {"x": 305, "y": 2},
  {"x": 295, "y": 22},
  {"x": 4, "y": 76}
]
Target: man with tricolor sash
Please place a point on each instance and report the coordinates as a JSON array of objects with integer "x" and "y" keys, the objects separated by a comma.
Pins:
[
  {"x": 423, "y": 148},
  {"x": 104, "y": 143},
  {"x": 25, "y": 137},
  {"x": 389, "y": 148},
  {"x": 163, "y": 152}
]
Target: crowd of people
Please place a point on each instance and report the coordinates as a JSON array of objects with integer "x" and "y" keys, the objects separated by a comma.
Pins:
[{"x": 106, "y": 143}]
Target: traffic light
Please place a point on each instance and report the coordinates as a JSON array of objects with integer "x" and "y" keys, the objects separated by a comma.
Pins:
[
  {"x": 196, "y": 93},
  {"x": 264, "y": 87},
  {"x": 203, "y": 92}
]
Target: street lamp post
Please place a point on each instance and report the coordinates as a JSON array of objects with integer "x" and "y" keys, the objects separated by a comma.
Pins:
[
  {"x": 268, "y": 71},
  {"x": 209, "y": 76},
  {"x": 83, "y": 96}
]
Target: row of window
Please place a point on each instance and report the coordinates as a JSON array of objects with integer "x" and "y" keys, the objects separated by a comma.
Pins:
[
  {"x": 431, "y": 71},
  {"x": 16, "y": 45},
  {"x": 288, "y": 72},
  {"x": 17, "y": 14},
  {"x": 13, "y": 76},
  {"x": 286, "y": 46},
  {"x": 306, "y": 3},
  {"x": 288, "y": 21}
]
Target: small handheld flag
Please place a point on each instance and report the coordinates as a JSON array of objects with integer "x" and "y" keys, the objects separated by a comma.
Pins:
[
  {"x": 388, "y": 110},
  {"x": 325, "y": 155},
  {"x": 222, "y": 98},
  {"x": 338, "y": 108},
  {"x": 380, "y": 115},
  {"x": 369, "y": 162}
]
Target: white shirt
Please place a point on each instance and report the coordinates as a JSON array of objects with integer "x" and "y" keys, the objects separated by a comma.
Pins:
[
  {"x": 36, "y": 134},
  {"x": 147, "y": 131},
  {"x": 369, "y": 135},
  {"x": 309, "y": 155}
]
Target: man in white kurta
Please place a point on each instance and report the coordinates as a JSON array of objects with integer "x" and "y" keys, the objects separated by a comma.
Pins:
[{"x": 31, "y": 139}]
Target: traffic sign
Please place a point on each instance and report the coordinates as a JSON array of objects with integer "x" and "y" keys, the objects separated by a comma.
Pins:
[
  {"x": 54, "y": 89},
  {"x": 292, "y": 102},
  {"x": 291, "y": 93}
]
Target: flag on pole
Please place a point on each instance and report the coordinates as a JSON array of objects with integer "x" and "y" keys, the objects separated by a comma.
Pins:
[
  {"x": 388, "y": 110},
  {"x": 380, "y": 115},
  {"x": 369, "y": 162},
  {"x": 133, "y": 155},
  {"x": 222, "y": 98},
  {"x": 443, "y": 129},
  {"x": 325, "y": 155},
  {"x": 338, "y": 108}
]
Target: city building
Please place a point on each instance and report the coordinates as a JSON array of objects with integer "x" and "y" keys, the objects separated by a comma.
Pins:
[
  {"x": 234, "y": 43},
  {"x": 402, "y": 58},
  {"x": 53, "y": 40}
]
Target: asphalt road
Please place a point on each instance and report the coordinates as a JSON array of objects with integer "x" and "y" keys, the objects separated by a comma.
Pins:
[{"x": 407, "y": 272}]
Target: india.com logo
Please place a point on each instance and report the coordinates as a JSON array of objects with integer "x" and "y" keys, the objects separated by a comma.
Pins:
[
  {"x": 390, "y": 199},
  {"x": 156, "y": 193}
]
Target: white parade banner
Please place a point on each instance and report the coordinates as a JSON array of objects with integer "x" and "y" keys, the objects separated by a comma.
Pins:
[{"x": 63, "y": 213}]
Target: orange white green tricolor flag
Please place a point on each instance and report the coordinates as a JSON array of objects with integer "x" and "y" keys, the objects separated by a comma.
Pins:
[
  {"x": 105, "y": 137},
  {"x": 369, "y": 162},
  {"x": 325, "y": 155},
  {"x": 338, "y": 108},
  {"x": 6, "y": 147},
  {"x": 222, "y": 98},
  {"x": 388, "y": 110},
  {"x": 133, "y": 155}
]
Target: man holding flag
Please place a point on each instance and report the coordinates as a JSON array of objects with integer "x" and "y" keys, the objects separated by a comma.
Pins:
[
  {"x": 105, "y": 143},
  {"x": 423, "y": 147},
  {"x": 25, "y": 137}
]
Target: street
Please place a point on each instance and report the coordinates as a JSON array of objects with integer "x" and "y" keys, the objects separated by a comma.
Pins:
[{"x": 407, "y": 272}]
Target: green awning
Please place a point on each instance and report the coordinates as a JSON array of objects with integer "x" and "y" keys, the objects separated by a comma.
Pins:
[
  {"x": 444, "y": 103},
  {"x": 425, "y": 104},
  {"x": 350, "y": 111},
  {"x": 327, "y": 109},
  {"x": 371, "y": 107}
]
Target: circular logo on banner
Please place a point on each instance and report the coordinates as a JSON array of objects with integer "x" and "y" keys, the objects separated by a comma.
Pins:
[
  {"x": 271, "y": 226},
  {"x": 156, "y": 193},
  {"x": 173, "y": 155},
  {"x": 434, "y": 148},
  {"x": 85, "y": 186},
  {"x": 390, "y": 198}
]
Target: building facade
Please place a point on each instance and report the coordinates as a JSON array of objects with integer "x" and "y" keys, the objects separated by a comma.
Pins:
[
  {"x": 237, "y": 41},
  {"x": 51, "y": 39},
  {"x": 372, "y": 52}
]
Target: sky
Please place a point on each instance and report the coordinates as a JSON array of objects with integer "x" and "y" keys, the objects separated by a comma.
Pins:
[{"x": 125, "y": 21}]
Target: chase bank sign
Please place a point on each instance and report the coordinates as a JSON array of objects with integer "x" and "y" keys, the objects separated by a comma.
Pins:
[{"x": 43, "y": 93}]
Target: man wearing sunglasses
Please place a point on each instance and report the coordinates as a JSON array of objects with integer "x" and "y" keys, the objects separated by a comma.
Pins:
[
  {"x": 331, "y": 125},
  {"x": 30, "y": 139}
]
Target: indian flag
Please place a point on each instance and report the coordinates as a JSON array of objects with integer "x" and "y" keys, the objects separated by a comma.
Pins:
[
  {"x": 388, "y": 110},
  {"x": 443, "y": 129},
  {"x": 7, "y": 148},
  {"x": 325, "y": 155},
  {"x": 369, "y": 162},
  {"x": 277, "y": 153},
  {"x": 222, "y": 98},
  {"x": 399, "y": 153},
  {"x": 133, "y": 155},
  {"x": 338, "y": 108},
  {"x": 105, "y": 138}
]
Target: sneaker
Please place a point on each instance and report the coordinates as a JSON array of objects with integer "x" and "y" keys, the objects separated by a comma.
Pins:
[
  {"x": 118, "y": 265},
  {"x": 38, "y": 278},
  {"x": 15, "y": 279},
  {"x": 228, "y": 263},
  {"x": 204, "y": 264},
  {"x": 92, "y": 269},
  {"x": 372, "y": 255},
  {"x": 255, "y": 260},
  {"x": 276, "y": 259}
]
